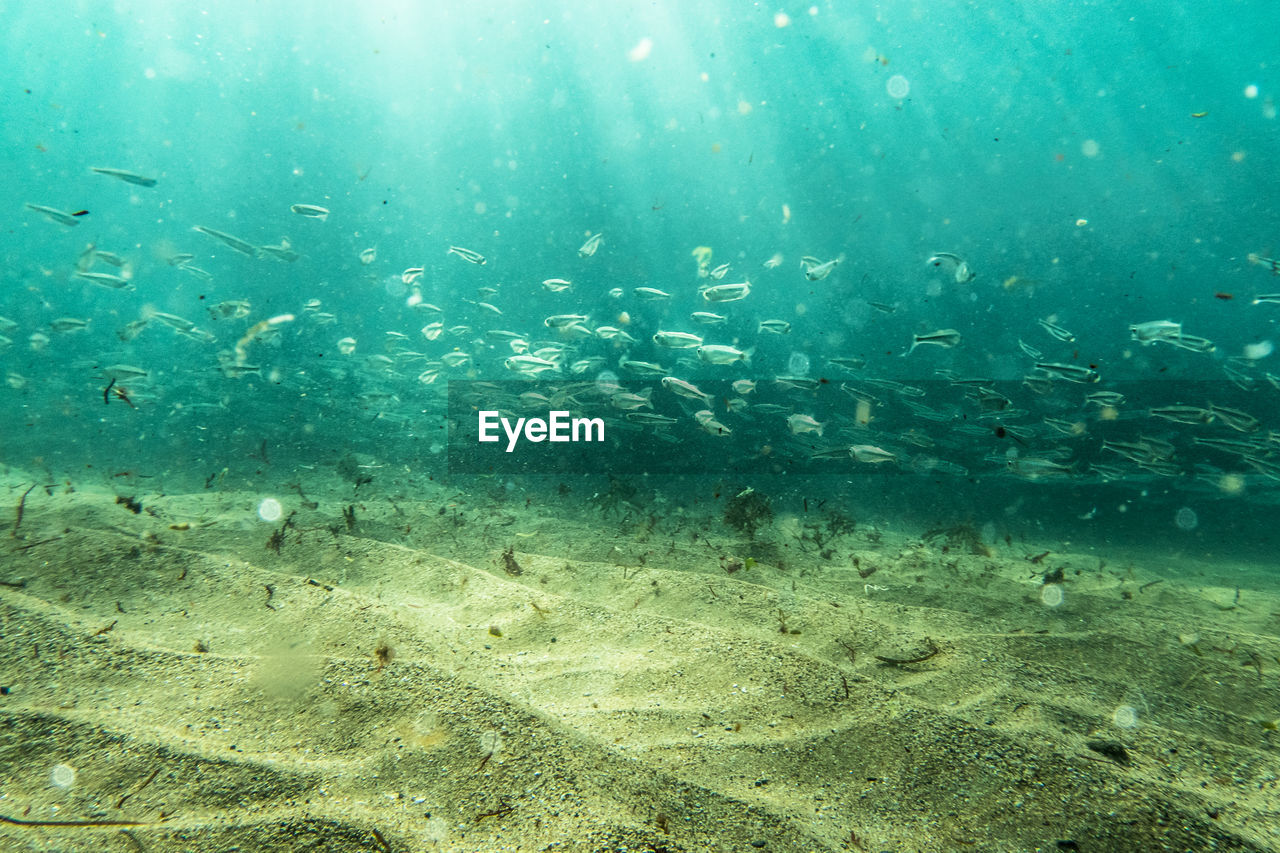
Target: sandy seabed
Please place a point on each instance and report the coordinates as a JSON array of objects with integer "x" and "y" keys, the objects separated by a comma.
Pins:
[{"x": 388, "y": 680}]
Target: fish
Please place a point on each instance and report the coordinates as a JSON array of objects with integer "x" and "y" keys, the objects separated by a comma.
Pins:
[
  {"x": 559, "y": 321},
  {"x": 719, "y": 272},
  {"x": 776, "y": 327},
  {"x": 871, "y": 454},
  {"x": 592, "y": 245},
  {"x": 458, "y": 358},
  {"x": 529, "y": 364},
  {"x": 848, "y": 363},
  {"x": 197, "y": 272},
  {"x": 282, "y": 252},
  {"x": 1181, "y": 414},
  {"x": 629, "y": 402},
  {"x": 959, "y": 267},
  {"x": 173, "y": 321},
  {"x": 719, "y": 354},
  {"x": 110, "y": 258},
  {"x": 1105, "y": 398},
  {"x": 743, "y": 386},
  {"x": 774, "y": 262},
  {"x": 347, "y": 346},
  {"x": 946, "y": 338},
  {"x": 611, "y": 333},
  {"x": 651, "y": 419},
  {"x": 815, "y": 270},
  {"x": 615, "y": 293},
  {"x": 801, "y": 424},
  {"x": 1069, "y": 372},
  {"x": 54, "y": 214},
  {"x": 7, "y": 325},
  {"x": 263, "y": 329},
  {"x": 1057, "y": 331},
  {"x": 726, "y": 292},
  {"x": 492, "y": 309},
  {"x": 685, "y": 389},
  {"x": 127, "y": 177},
  {"x": 1154, "y": 330},
  {"x": 650, "y": 294},
  {"x": 676, "y": 340},
  {"x": 311, "y": 211},
  {"x": 130, "y": 331},
  {"x": 127, "y": 372},
  {"x": 707, "y": 420},
  {"x": 37, "y": 341},
  {"x": 707, "y": 318},
  {"x": 585, "y": 364},
  {"x": 68, "y": 324},
  {"x": 1267, "y": 298},
  {"x": 180, "y": 258},
  {"x": 798, "y": 383},
  {"x": 230, "y": 309},
  {"x": 231, "y": 370},
  {"x": 645, "y": 368},
  {"x": 1030, "y": 351},
  {"x": 1270, "y": 263},
  {"x": 102, "y": 279},
  {"x": 557, "y": 285},
  {"x": 241, "y": 246},
  {"x": 1035, "y": 468},
  {"x": 467, "y": 255},
  {"x": 1236, "y": 419},
  {"x": 1194, "y": 343}
]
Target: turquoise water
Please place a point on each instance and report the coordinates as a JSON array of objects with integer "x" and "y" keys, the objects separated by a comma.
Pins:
[{"x": 1093, "y": 166}]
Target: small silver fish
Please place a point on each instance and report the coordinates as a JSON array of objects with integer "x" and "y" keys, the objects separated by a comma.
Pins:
[
  {"x": 947, "y": 338},
  {"x": 650, "y": 294},
  {"x": 1057, "y": 331},
  {"x": 1155, "y": 330},
  {"x": 369, "y": 255},
  {"x": 815, "y": 270},
  {"x": 311, "y": 211},
  {"x": 592, "y": 245},
  {"x": 707, "y": 420},
  {"x": 127, "y": 177},
  {"x": 871, "y": 454},
  {"x": 559, "y": 321},
  {"x": 557, "y": 285},
  {"x": 282, "y": 252},
  {"x": 467, "y": 255},
  {"x": 1070, "y": 372},
  {"x": 54, "y": 214},
  {"x": 102, "y": 279},
  {"x": 685, "y": 389},
  {"x": 959, "y": 267},
  {"x": 776, "y": 327},
  {"x": 644, "y": 368},
  {"x": 230, "y": 309},
  {"x": 241, "y": 246},
  {"x": 718, "y": 354},
  {"x": 726, "y": 292},
  {"x": 676, "y": 340},
  {"x": 801, "y": 424}
]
